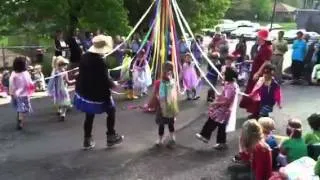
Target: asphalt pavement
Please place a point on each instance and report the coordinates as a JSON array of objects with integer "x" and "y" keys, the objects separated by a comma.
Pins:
[{"x": 48, "y": 149}]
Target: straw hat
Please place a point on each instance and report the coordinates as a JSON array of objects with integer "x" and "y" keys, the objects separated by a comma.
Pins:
[{"x": 101, "y": 44}]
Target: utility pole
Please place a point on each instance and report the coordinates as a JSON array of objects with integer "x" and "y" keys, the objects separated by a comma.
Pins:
[{"x": 273, "y": 14}]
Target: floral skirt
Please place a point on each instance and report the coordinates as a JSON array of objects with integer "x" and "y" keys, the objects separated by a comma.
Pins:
[
  {"x": 92, "y": 107},
  {"x": 22, "y": 104}
]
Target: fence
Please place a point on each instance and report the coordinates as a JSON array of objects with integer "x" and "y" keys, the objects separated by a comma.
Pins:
[{"x": 9, "y": 53}]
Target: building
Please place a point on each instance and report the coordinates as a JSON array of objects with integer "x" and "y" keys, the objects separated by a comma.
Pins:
[{"x": 284, "y": 12}]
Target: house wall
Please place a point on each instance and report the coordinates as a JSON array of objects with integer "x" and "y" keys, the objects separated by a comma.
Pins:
[{"x": 308, "y": 19}]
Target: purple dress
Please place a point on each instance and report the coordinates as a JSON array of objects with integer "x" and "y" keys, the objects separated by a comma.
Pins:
[{"x": 190, "y": 78}]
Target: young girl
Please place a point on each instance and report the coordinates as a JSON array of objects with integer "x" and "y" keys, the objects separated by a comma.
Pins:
[
  {"x": 220, "y": 111},
  {"x": 168, "y": 100},
  {"x": 21, "y": 88},
  {"x": 294, "y": 147},
  {"x": 254, "y": 151},
  {"x": 39, "y": 79},
  {"x": 141, "y": 74},
  {"x": 212, "y": 75},
  {"x": 266, "y": 92},
  {"x": 153, "y": 102},
  {"x": 190, "y": 77},
  {"x": 58, "y": 86}
]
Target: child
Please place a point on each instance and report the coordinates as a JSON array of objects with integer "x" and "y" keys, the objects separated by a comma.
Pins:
[
  {"x": 141, "y": 74},
  {"x": 293, "y": 148},
  {"x": 268, "y": 126},
  {"x": 21, "y": 88},
  {"x": 168, "y": 100},
  {"x": 58, "y": 86},
  {"x": 39, "y": 79},
  {"x": 255, "y": 151},
  {"x": 267, "y": 92},
  {"x": 229, "y": 62},
  {"x": 212, "y": 75},
  {"x": 190, "y": 77},
  {"x": 314, "y": 123},
  {"x": 219, "y": 112}
]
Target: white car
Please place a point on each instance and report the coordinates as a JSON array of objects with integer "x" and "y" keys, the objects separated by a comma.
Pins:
[
  {"x": 226, "y": 28},
  {"x": 243, "y": 23},
  {"x": 247, "y": 32},
  {"x": 313, "y": 35},
  {"x": 274, "y": 26}
]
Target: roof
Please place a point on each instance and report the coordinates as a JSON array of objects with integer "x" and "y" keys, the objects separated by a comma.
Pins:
[{"x": 282, "y": 7}]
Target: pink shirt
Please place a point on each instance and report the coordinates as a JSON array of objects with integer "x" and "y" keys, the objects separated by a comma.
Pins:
[{"x": 20, "y": 84}]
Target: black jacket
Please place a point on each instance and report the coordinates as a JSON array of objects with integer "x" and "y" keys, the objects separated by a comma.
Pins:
[
  {"x": 75, "y": 50},
  {"x": 93, "y": 82}
]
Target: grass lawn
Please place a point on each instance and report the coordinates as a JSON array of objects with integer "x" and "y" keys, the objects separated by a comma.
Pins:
[
  {"x": 3, "y": 41},
  {"x": 286, "y": 25}
]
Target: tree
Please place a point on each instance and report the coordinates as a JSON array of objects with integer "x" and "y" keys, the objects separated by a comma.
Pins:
[
  {"x": 44, "y": 16},
  {"x": 261, "y": 8}
]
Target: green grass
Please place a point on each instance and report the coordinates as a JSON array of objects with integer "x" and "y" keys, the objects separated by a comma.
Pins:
[
  {"x": 3, "y": 41},
  {"x": 286, "y": 25}
]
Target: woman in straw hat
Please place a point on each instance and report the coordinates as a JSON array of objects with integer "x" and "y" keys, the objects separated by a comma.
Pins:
[
  {"x": 262, "y": 58},
  {"x": 93, "y": 91}
]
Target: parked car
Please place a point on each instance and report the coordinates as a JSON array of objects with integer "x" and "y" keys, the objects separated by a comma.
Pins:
[
  {"x": 249, "y": 33},
  {"x": 227, "y": 28},
  {"x": 291, "y": 35},
  {"x": 274, "y": 27},
  {"x": 313, "y": 35},
  {"x": 243, "y": 23}
]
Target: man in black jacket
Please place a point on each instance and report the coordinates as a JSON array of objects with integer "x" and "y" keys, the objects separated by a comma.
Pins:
[{"x": 93, "y": 91}]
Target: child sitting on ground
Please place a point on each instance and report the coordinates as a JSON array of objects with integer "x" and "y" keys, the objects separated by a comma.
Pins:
[
  {"x": 267, "y": 92},
  {"x": 220, "y": 111},
  {"x": 255, "y": 152},
  {"x": 294, "y": 147},
  {"x": 314, "y": 123}
]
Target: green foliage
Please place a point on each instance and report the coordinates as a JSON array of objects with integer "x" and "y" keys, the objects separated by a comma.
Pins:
[
  {"x": 45, "y": 16},
  {"x": 204, "y": 13},
  {"x": 261, "y": 8}
]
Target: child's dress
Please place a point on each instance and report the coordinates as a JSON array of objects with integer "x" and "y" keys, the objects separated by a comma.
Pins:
[
  {"x": 58, "y": 90},
  {"x": 141, "y": 75},
  {"x": 267, "y": 95},
  {"x": 190, "y": 78},
  {"x": 21, "y": 88},
  {"x": 168, "y": 100}
]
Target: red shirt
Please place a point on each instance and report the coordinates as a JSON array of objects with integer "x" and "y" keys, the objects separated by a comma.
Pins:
[{"x": 261, "y": 161}]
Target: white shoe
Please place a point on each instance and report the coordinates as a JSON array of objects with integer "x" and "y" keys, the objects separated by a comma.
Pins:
[
  {"x": 220, "y": 146},
  {"x": 159, "y": 142},
  {"x": 201, "y": 138}
]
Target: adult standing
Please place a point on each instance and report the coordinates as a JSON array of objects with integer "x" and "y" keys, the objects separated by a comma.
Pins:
[
  {"x": 61, "y": 46},
  {"x": 76, "y": 48},
  {"x": 279, "y": 47},
  {"x": 223, "y": 48},
  {"x": 93, "y": 91},
  {"x": 262, "y": 58},
  {"x": 87, "y": 42},
  {"x": 195, "y": 50},
  {"x": 241, "y": 49},
  {"x": 299, "y": 48}
]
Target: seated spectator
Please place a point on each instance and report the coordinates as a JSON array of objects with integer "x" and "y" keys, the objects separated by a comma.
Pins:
[
  {"x": 293, "y": 148},
  {"x": 314, "y": 123},
  {"x": 268, "y": 126},
  {"x": 255, "y": 151},
  {"x": 317, "y": 168}
]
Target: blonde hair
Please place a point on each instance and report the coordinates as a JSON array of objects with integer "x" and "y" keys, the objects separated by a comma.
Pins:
[
  {"x": 54, "y": 62},
  {"x": 58, "y": 61},
  {"x": 251, "y": 133},
  {"x": 267, "y": 124}
]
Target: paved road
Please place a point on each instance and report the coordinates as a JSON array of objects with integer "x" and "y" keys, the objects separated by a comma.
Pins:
[{"x": 48, "y": 149}]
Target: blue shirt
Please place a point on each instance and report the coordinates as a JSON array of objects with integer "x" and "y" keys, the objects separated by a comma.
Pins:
[{"x": 299, "y": 50}]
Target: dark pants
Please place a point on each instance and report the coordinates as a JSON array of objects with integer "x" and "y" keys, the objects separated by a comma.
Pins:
[
  {"x": 170, "y": 126},
  {"x": 297, "y": 68},
  {"x": 210, "y": 126},
  {"x": 110, "y": 123}
]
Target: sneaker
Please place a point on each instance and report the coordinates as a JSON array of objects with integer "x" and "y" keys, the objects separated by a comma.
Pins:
[
  {"x": 196, "y": 98},
  {"x": 159, "y": 142},
  {"x": 19, "y": 125},
  {"x": 237, "y": 159},
  {"x": 201, "y": 138},
  {"x": 88, "y": 144},
  {"x": 220, "y": 146},
  {"x": 114, "y": 139}
]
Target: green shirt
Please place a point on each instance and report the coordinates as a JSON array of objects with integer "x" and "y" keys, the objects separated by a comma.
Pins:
[
  {"x": 295, "y": 148},
  {"x": 312, "y": 138}
]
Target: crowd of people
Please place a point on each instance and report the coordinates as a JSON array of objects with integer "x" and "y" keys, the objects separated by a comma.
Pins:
[{"x": 80, "y": 61}]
